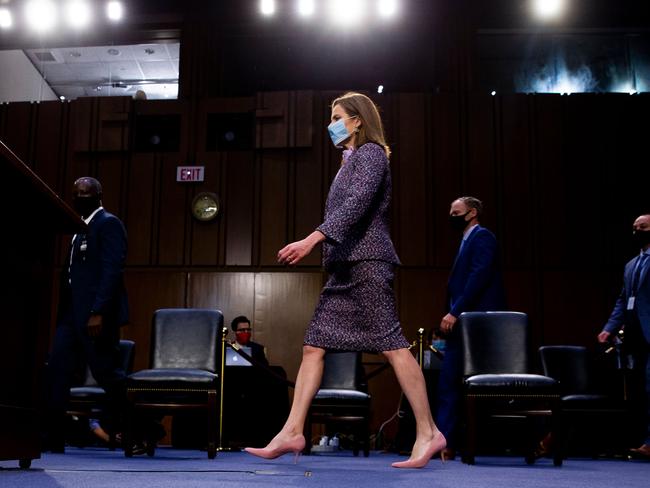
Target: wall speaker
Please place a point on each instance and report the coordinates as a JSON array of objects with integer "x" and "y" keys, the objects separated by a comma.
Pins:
[
  {"x": 230, "y": 132},
  {"x": 157, "y": 133}
]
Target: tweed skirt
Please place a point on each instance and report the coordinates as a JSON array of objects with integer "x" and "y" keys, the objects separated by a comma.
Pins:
[{"x": 356, "y": 310}]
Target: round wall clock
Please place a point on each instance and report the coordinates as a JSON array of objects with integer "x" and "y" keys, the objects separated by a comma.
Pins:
[{"x": 205, "y": 206}]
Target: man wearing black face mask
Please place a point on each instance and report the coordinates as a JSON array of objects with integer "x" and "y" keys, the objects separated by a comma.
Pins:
[
  {"x": 92, "y": 307},
  {"x": 632, "y": 311},
  {"x": 475, "y": 285},
  {"x": 242, "y": 328}
]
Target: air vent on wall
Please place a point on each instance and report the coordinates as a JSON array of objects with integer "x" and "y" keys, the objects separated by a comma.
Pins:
[{"x": 45, "y": 56}]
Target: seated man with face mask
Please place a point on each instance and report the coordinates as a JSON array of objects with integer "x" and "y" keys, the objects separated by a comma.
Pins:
[{"x": 243, "y": 332}]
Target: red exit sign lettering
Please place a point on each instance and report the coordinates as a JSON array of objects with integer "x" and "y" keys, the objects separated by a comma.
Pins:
[{"x": 190, "y": 173}]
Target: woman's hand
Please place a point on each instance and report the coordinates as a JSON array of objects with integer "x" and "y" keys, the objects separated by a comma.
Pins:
[{"x": 293, "y": 253}]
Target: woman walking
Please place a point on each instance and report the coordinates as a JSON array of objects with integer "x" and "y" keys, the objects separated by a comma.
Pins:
[{"x": 356, "y": 311}]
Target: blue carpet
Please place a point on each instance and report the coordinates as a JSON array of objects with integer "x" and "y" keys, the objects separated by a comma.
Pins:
[{"x": 100, "y": 468}]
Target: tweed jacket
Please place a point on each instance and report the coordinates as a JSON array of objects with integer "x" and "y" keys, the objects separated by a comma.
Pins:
[{"x": 357, "y": 220}]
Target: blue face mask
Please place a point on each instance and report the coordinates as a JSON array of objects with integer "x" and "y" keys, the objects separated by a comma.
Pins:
[{"x": 338, "y": 132}]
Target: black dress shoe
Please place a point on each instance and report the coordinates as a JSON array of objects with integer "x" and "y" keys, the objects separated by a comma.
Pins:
[{"x": 139, "y": 448}]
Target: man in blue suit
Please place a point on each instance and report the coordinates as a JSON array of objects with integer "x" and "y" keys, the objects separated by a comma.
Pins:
[
  {"x": 632, "y": 312},
  {"x": 92, "y": 307},
  {"x": 475, "y": 285}
]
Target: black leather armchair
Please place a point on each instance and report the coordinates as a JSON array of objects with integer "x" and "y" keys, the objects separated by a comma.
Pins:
[
  {"x": 582, "y": 402},
  {"x": 185, "y": 358},
  {"x": 88, "y": 400},
  {"x": 496, "y": 375},
  {"x": 342, "y": 399}
]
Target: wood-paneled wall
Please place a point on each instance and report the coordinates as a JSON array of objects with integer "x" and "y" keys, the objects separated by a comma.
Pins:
[{"x": 562, "y": 178}]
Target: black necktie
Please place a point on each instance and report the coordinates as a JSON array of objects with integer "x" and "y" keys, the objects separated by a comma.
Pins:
[{"x": 637, "y": 273}]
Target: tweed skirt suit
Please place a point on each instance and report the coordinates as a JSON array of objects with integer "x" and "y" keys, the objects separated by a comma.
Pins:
[{"x": 356, "y": 310}]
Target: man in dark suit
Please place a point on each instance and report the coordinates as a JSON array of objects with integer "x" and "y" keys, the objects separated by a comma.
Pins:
[
  {"x": 92, "y": 307},
  {"x": 632, "y": 312},
  {"x": 243, "y": 331},
  {"x": 475, "y": 285}
]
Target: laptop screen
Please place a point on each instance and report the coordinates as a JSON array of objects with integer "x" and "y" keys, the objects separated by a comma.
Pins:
[{"x": 234, "y": 359}]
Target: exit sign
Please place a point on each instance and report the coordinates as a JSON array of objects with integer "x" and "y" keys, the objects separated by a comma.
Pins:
[{"x": 190, "y": 173}]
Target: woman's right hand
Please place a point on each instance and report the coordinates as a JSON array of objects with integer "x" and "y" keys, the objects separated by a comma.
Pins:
[{"x": 293, "y": 253}]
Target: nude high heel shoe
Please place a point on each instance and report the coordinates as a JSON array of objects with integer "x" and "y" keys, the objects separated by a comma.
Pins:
[
  {"x": 438, "y": 443},
  {"x": 296, "y": 445}
]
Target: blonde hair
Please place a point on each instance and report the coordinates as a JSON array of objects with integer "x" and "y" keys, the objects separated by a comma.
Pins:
[{"x": 361, "y": 106}]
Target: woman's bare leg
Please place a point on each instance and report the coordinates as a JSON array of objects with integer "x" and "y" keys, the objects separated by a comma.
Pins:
[
  {"x": 290, "y": 438},
  {"x": 429, "y": 439}
]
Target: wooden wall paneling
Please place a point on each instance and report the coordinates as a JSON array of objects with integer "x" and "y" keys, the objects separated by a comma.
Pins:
[
  {"x": 50, "y": 143},
  {"x": 273, "y": 207},
  {"x": 82, "y": 123},
  {"x": 63, "y": 171},
  {"x": 430, "y": 188},
  {"x": 637, "y": 157},
  {"x": 148, "y": 290},
  {"x": 81, "y": 140},
  {"x": 521, "y": 288},
  {"x": 273, "y": 119},
  {"x": 139, "y": 220},
  {"x": 236, "y": 189},
  {"x": 228, "y": 105},
  {"x": 624, "y": 189},
  {"x": 410, "y": 167},
  {"x": 571, "y": 314},
  {"x": 207, "y": 237},
  {"x": 421, "y": 295},
  {"x": 483, "y": 172},
  {"x": 284, "y": 305},
  {"x": 291, "y": 196},
  {"x": 200, "y": 59},
  {"x": 625, "y": 174},
  {"x": 174, "y": 212},
  {"x": 523, "y": 295},
  {"x": 239, "y": 203},
  {"x": 330, "y": 155},
  {"x": 110, "y": 172},
  {"x": 19, "y": 130},
  {"x": 301, "y": 125},
  {"x": 518, "y": 196},
  {"x": 223, "y": 191},
  {"x": 232, "y": 293},
  {"x": 171, "y": 209},
  {"x": 550, "y": 218},
  {"x": 582, "y": 172},
  {"x": 445, "y": 175},
  {"x": 389, "y": 110},
  {"x": 636, "y": 141},
  {"x": 79, "y": 164},
  {"x": 621, "y": 173},
  {"x": 309, "y": 200},
  {"x": 553, "y": 190},
  {"x": 113, "y": 123}
]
